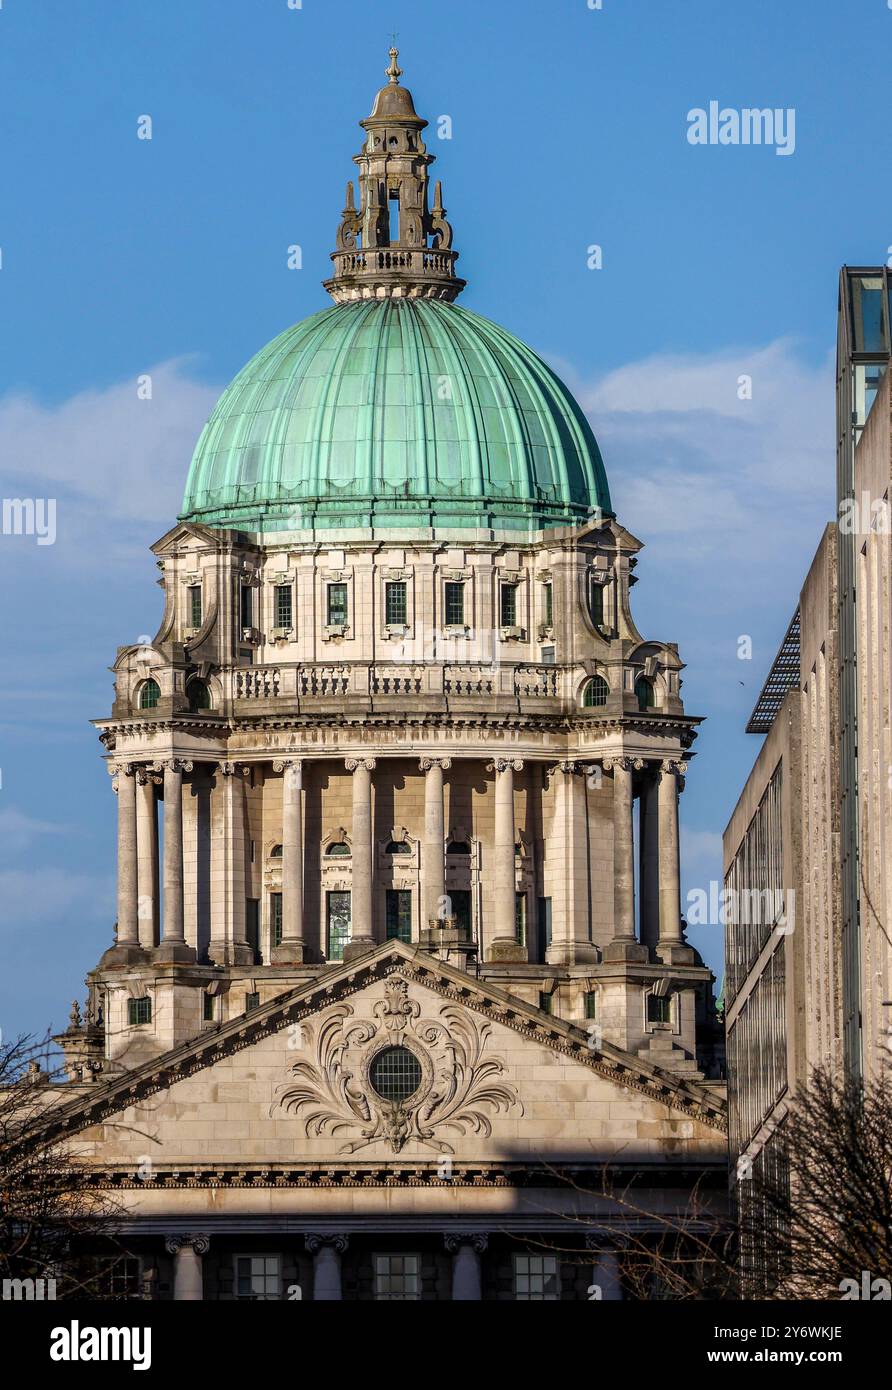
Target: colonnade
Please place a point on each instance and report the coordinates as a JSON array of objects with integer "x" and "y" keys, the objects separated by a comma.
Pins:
[{"x": 660, "y": 918}]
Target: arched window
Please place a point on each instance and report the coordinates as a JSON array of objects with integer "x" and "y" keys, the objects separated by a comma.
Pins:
[
  {"x": 644, "y": 693},
  {"x": 149, "y": 695},
  {"x": 276, "y": 852},
  {"x": 198, "y": 695},
  {"x": 458, "y": 847},
  {"x": 398, "y": 847},
  {"x": 595, "y": 693},
  {"x": 338, "y": 850}
]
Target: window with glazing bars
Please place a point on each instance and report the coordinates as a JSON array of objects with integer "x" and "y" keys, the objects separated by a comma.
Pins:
[
  {"x": 139, "y": 1011},
  {"x": 195, "y": 605},
  {"x": 246, "y": 606},
  {"x": 275, "y": 915},
  {"x": 337, "y": 605},
  {"x": 257, "y": 1278},
  {"x": 520, "y": 918},
  {"x": 455, "y": 604},
  {"x": 397, "y": 1277},
  {"x": 283, "y": 605},
  {"x": 338, "y": 915},
  {"x": 210, "y": 1008},
  {"x": 536, "y": 1278},
  {"x": 547, "y": 604},
  {"x": 398, "y": 905},
  {"x": 509, "y": 605},
  {"x": 395, "y": 605}
]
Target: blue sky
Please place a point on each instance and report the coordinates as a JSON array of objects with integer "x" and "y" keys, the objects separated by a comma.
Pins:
[{"x": 121, "y": 257}]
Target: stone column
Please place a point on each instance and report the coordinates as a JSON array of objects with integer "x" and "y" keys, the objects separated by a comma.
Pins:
[
  {"x": 649, "y": 861},
  {"x": 173, "y": 946},
  {"x": 326, "y": 1252},
  {"x": 568, "y": 858},
  {"x": 362, "y": 896},
  {"x": 624, "y": 945},
  {"x": 503, "y": 944},
  {"x": 188, "y": 1285},
  {"x": 672, "y": 946},
  {"x": 466, "y": 1280},
  {"x": 291, "y": 950},
  {"x": 606, "y": 1285},
  {"x": 433, "y": 863},
  {"x": 228, "y": 944},
  {"x": 148, "y": 910},
  {"x": 127, "y": 943}
]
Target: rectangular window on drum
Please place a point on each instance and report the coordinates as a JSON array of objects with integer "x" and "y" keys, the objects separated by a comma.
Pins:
[
  {"x": 337, "y": 605},
  {"x": 246, "y": 606},
  {"x": 195, "y": 605},
  {"x": 284, "y": 606},
  {"x": 275, "y": 916},
  {"x": 454, "y": 603},
  {"x": 395, "y": 606},
  {"x": 509, "y": 605}
]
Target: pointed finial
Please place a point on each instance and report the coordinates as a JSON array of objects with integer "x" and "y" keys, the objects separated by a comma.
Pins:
[{"x": 394, "y": 72}]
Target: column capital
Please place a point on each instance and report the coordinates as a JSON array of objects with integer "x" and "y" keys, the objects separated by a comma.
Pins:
[
  {"x": 425, "y": 764},
  {"x": 505, "y": 765},
  {"x": 674, "y": 767},
  {"x": 233, "y": 769},
  {"x": 352, "y": 764},
  {"x": 116, "y": 770},
  {"x": 176, "y": 765},
  {"x": 147, "y": 773},
  {"x": 283, "y": 764},
  {"x": 199, "y": 1243},
  {"x": 625, "y": 763},
  {"x": 315, "y": 1241},
  {"x": 477, "y": 1239}
]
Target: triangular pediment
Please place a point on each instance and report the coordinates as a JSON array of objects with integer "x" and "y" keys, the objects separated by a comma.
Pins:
[{"x": 488, "y": 1065}]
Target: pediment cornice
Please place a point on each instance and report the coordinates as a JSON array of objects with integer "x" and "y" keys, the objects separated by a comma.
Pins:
[{"x": 416, "y": 967}]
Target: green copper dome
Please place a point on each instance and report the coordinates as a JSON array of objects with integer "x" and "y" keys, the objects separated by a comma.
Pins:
[{"x": 396, "y": 413}]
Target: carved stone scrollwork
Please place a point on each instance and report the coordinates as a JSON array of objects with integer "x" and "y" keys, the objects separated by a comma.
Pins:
[
  {"x": 201, "y": 1244},
  {"x": 476, "y": 1239},
  {"x": 628, "y": 764},
  {"x": 281, "y": 764},
  {"x": 425, "y": 764},
  {"x": 352, "y": 764},
  {"x": 177, "y": 764},
  {"x": 314, "y": 1242},
  {"x": 673, "y": 766},
  {"x": 458, "y": 1088},
  {"x": 503, "y": 765},
  {"x": 149, "y": 772}
]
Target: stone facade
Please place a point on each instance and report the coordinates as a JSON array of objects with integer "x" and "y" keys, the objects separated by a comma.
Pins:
[{"x": 381, "y": 980}]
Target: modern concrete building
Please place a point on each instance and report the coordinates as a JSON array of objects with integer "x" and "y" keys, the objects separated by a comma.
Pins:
[
  {"x": 380, "y": 986},
  {"x": 809, "y": 963}
]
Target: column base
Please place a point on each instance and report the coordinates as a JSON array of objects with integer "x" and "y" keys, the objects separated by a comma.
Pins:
[
  {"x": 360, "y": 947},
  {"x": 507, "y": 950},
  {"x": 289, "y": 953},
  {"x": 230, "y": 953},
  {"x": 130, "y": 954},
  {"x": 572, "y": 953},
  {"x": 174, "y": 953},
  {"x": 622, "y": 949},
  {"x": 676, "y": 953}
]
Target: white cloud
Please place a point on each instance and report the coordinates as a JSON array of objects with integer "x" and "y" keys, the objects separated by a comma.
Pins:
[
  {"x": 19, "y": 830},
  {"x": 692, "y": 465},
  {"x": 54, "y": 896},
  {"x": 117, "y": 465}
]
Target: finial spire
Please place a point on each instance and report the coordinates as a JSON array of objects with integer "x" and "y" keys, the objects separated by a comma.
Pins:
[
  {"x": 394, "y": 244},
  {"x": 394, "y": 72}
]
